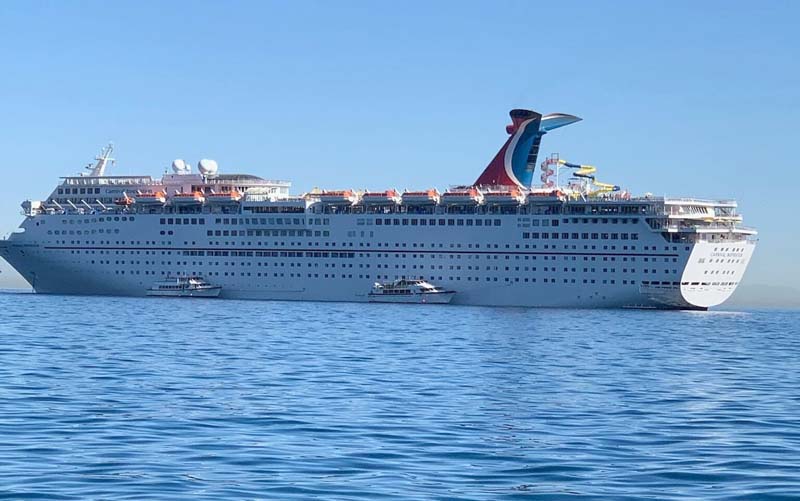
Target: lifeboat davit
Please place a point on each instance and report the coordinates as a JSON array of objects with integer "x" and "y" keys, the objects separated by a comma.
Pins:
[
  {"x": 429, "y": 197},
  {"x": 466, "y": 196},
  {"x": 227, "y": 197},
  {"x": 388, "y": 197},
  {"x": 195, "y": 198},
  {"x": 151, "y": 198}
]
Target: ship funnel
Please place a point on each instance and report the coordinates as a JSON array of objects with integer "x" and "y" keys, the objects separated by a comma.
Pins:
[{"x": 515, "y": 163}]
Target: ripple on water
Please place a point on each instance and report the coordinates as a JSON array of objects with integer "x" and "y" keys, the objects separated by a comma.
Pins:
[{"x": 141, "y": 399}]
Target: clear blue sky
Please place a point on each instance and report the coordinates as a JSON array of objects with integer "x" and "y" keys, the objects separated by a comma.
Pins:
[{"x": 678, "y": 98}]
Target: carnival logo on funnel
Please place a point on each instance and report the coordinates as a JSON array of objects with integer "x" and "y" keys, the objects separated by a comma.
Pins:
[{"x": 515, "y": 163}]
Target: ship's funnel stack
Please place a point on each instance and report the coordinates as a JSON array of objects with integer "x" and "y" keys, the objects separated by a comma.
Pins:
[{"x": 515, "y": 163}]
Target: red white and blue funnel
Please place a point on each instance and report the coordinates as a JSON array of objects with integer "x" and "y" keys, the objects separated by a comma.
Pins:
[{"x": 515, "y": 163}]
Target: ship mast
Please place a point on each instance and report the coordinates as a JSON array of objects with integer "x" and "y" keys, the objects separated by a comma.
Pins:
[{"x": 99, "y": 168}]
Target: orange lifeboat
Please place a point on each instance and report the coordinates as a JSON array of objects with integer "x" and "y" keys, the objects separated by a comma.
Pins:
[
  {"x": 421, "y": 197},
  {"x": 511, "y": 196},
  {"x": 227, "y": 197},
  {"x": 388, "y": 197},
  {"x": 337, "y": 197},
  {"x": 125, "y": 201},
  {"x": 194, "y": 198},
  {"x": 465, "y": 196},
  {"x": 158, "y": 198}
]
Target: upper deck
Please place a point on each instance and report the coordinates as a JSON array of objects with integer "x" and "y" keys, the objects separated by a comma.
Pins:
[
  {"x": 505, "y": 188},
  {"x": 673, "y": 215}
]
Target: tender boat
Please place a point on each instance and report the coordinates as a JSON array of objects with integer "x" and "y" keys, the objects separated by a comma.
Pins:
[
  {"x": 409, "y": 291},
  {"x": 184, "y": 286}
]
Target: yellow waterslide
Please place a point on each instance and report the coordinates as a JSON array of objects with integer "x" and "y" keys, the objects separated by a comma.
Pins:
[{"x": 587, "y": 172}]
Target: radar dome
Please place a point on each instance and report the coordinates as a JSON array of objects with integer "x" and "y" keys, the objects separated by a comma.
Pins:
[
  {"x": 207, "y": 167},
  {"x": 179, "y": 166}
]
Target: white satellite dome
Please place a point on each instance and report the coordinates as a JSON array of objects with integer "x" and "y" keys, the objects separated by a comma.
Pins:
[
  {"x": 207, "y": 167},
  {"x": 180, "y": 167}
]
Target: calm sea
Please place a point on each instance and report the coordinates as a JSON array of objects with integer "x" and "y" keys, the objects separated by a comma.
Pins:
[{"x": 107, "y": 398}]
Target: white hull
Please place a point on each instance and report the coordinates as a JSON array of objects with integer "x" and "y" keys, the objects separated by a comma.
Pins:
[{"x": 489, "y": 265}]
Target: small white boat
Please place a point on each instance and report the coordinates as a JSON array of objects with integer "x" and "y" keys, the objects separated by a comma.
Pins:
[
  {"x": 409, "y": 291},
  {"x": 184, "y": 287}
]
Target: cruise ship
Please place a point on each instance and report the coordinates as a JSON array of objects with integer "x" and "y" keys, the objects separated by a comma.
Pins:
[{"x": 524, "y": 234}]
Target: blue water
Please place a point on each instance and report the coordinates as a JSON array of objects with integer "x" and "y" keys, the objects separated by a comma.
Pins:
[{"x": 206, "y": 399}]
